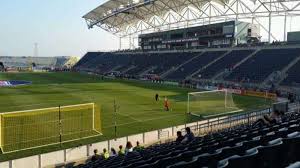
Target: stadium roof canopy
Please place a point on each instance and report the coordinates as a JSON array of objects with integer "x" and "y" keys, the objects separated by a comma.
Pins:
[{"x": 125, "y": 17}]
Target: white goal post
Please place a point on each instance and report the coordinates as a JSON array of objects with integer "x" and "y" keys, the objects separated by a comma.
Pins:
[
  {"x": 27, "y": 129},
  {"x": 211, "y": 103}
]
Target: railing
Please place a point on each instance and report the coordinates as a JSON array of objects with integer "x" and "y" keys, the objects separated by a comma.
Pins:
[{"x": 228, "y": 122}]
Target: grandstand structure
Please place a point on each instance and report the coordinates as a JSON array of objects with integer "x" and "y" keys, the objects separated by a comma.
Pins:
[
  {"x": 126, "y": 18},
  {"x": 198, "y": 41},
  {"x": 227, "y": 65}
]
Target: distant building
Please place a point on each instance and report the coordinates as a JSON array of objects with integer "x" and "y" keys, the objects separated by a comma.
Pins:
[
  {"x": 38, "y": 63},
  {"x": 293, "y": 37}
]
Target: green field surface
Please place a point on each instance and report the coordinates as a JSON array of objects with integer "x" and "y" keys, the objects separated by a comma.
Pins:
[{"x": 137, "y": 111}]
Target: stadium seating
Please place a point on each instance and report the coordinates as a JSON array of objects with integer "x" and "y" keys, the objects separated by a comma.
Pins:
[
  {"x": 102, "y": 62},
  {"x": 246, "y": 146},
  {"x": 156, "y": 63},
  {"x": 135, "y": 63},
  {"x": 85, "y": 62},
  {"x": 224, "y": 63},
  {"x": 262, "y": 64},
  {"x": 194, "y": 65},
  {"x": 293, "y": 75},
  {"x": 180, "y": 65},
  {"x": 171, "y": 60}
]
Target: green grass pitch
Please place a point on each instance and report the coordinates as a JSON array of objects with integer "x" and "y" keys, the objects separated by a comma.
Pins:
[{"x": 137, "y": 110}]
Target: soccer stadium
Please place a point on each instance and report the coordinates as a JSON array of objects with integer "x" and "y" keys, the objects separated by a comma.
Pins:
[{"x": 193, "y": 83}]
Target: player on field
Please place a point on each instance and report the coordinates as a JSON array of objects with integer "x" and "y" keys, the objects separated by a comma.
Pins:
[
  {"x": 167, "y": 104},
  {"x": 156, "y": 97}
]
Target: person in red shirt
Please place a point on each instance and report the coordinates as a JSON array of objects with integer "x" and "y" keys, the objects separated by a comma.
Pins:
[{"x": 167, "y": 104}]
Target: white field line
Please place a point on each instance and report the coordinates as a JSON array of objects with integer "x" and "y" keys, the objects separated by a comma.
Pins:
[
  {"x": 50, "y": 108},
  {"x": 197, "y": 115},
  {"x": 56, "y": 136},
  {"x": 211, "y": 91},
  {"x": 48, "y": 102},
  {"x": 125, "y": 115},
  {"x": 97, "y": 132},
  {"x": 56, "y": 143}
]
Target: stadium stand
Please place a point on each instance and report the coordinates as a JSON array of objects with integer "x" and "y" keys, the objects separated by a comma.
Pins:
[
  {"x": 225, "y": 63},
  {"x": 251, "y": 65},
  {"x": 40, "y": 62},
  {"x": 262, "y": 64},
  {"x": 141, "y": 63},
  {"x": 273, "y": 146},
  {"x": 194, "y": 65},
  {"x": 85, "y": 61},
  {"x": 168, "y": 61},
  {"x": 293, "y": 75},
  {"x": 132, "y": 64},
  {"x": 102, "y": 62}
]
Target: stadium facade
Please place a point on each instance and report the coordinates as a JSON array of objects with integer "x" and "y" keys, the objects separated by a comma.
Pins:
[
  {"x": 210, "y": 35},
  {"x": 225, "y": 34}
]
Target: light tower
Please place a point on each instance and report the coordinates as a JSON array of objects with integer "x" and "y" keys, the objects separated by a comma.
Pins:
[{"x": 36, "y": 50}]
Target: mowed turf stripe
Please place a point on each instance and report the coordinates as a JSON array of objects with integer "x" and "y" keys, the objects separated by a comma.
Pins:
[{"x": 146, "y": 120}]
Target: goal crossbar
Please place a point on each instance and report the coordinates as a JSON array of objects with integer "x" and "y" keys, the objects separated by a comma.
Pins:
[
  {"x": 210, "y": 91},
  {"x": 206, "y": 101},
  {"x": 82, "y": 113},
  {"x": 49, "y": 108}
]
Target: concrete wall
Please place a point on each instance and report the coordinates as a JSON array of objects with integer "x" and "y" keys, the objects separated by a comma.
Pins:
[
  {"x": 4, "y": 164},
  {"x": 76, "y": 153},
  {"x": 52, "y": 158},
  {"x": 151, "y": 137},
  {"x": 32, "y": 162},
  {"x": 134, "y": 138},
  {"x": 115, "y": 143}
]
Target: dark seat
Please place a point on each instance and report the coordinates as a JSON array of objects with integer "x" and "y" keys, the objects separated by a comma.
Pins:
[
  {"x": 271, "y": 156},
  {"x": 167, "y": 161},
  {"x": 230, "y": 151},
  {"x": 291, "y": 148},
  {"x": 191, "y": 164},
  {"x": 209, "y": 159},
  {"x": 294, "y": 165},
  {"x": 249, "y": 160}
]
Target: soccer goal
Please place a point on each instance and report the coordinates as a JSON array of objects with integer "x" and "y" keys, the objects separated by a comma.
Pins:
[
  {"x": 211, "y": 103},
  {"x": 28, "y": 129}
]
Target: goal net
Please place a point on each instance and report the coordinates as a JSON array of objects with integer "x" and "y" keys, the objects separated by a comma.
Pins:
[
  {"x": 27, "y": 129},
  {"x": 211, "y": 103}
]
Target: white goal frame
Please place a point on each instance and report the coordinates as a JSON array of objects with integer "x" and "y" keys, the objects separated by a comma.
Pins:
[
  {"x": 211, "y": 91},
  {"x": 50, "y": 108}
]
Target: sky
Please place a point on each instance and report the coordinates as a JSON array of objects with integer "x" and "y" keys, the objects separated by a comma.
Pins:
[
  {"x": 59, "y": 29},
  {"x": 56, "y": 25}
]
